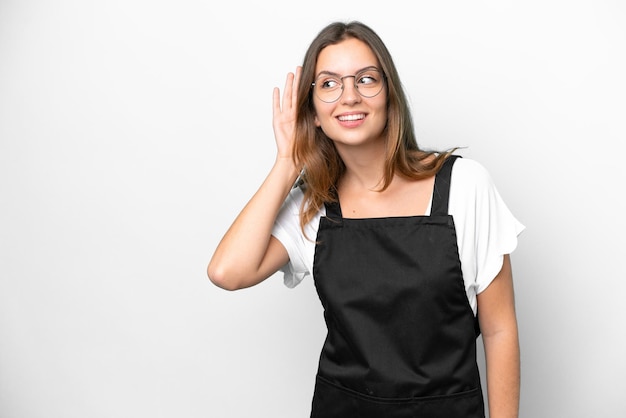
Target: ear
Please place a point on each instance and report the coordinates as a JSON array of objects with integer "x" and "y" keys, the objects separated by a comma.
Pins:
[{"x": 317, "y": 121}]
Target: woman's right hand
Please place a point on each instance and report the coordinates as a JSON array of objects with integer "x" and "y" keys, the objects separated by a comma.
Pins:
[
  {"x": 248, "y": 253},
  {"x": 284, "y": 114}
]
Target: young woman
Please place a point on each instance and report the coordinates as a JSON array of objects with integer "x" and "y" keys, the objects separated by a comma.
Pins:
[{"x": 409, "y": 249}]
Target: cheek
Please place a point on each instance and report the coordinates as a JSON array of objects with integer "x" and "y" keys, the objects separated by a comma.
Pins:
[{"x": 317, "y": 112}]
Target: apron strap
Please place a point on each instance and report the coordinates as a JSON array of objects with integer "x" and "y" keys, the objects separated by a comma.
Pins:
[
  {"x": 441, "y": 191},
  {"x": 441, "y": 197},
  {"x": 333, "y": 209}
]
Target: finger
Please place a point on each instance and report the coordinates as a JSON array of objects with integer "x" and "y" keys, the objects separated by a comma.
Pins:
[
  {"x": 287, "y": 93},
  {"x": 276, "y": 102},
  {"x": 296, "y": 83}
]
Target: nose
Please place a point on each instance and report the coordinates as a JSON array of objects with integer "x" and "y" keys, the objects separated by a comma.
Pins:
[{"x": 350, "y": 93}]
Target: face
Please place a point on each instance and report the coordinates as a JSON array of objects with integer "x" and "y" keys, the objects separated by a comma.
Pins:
[{"x": 352, "y": 119}]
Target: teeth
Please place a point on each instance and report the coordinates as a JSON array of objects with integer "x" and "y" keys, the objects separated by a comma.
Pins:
[{"x": 351, "y": 117}]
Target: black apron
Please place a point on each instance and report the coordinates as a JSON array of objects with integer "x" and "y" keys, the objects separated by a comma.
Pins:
[{"x": 401, "y": 334}]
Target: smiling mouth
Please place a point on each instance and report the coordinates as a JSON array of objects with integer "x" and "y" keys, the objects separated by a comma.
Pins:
[{"x": 345, "y": 118}]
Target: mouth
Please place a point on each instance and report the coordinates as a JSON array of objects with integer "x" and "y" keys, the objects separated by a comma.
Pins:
[{"x": 353, "y": 117}]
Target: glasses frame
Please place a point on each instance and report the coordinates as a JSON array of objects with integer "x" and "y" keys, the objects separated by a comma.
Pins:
[{"x": 356, "y": 87}]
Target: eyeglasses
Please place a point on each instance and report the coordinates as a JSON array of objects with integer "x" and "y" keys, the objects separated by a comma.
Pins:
[{"x": 329, "y": 87}]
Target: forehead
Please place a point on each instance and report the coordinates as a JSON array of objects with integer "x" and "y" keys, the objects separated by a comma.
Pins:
[{"x": 345, "y": 57}]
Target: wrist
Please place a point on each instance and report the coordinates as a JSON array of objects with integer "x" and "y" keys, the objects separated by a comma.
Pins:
[{"x": 287, "y": 166}]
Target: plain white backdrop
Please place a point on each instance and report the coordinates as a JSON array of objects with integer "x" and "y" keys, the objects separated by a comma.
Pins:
[{"x": 132, "y": 132}]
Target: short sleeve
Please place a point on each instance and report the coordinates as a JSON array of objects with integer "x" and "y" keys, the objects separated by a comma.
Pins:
[
  {"x": 299, "y": 247},
  {"x": 486, "y": 228}
]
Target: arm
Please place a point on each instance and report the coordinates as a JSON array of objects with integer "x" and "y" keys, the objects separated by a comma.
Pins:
[
  {"x": 496, "y": 312},
  {"x": 248, "y": 253}
]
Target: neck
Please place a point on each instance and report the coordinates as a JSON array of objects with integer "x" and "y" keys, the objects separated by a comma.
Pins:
[{"x": 364, "y": 165}]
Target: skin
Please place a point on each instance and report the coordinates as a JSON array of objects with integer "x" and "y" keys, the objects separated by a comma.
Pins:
[
  {"x": 351, "y": 138},
  {"x": 248, "y": 253},
  {"x": 361, "y": 145},
  {"x": 498, "y": 323}
]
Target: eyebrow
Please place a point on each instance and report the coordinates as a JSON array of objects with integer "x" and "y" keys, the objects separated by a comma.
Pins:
[{"x": 369, "y": 67}]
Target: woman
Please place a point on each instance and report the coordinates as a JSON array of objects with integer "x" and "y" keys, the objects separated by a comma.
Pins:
[{"x": 408, "y": 249}]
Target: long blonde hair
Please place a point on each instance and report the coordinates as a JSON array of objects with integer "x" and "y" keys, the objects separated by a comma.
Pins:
[{"x": 316, "y": 153}]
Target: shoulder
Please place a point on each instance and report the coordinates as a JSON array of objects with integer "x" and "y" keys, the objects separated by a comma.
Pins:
[
  {"x": 472, "y": 187},
  {"x": 294, "y": 199},
  {"x": 467, "y": 170},
  {"x": 292, "y": 206},
  {"x": 474, "y": 198},
  {"x": 470, "y": 178}
]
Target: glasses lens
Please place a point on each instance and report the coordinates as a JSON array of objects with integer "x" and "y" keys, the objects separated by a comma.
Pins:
[
  {"x": 328, "y": 88},
  {"x": 368, "y": 83}
]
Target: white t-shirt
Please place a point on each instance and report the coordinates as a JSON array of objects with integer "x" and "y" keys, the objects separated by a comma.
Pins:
[{"x": 485, "y": 228}]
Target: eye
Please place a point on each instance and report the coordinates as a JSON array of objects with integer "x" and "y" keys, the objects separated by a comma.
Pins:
[
  {"x": 329, "y": 83},
  {"x": 367, "y": 78}
]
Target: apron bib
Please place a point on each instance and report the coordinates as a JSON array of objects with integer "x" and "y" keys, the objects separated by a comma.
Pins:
[{"x": 401, "y": 336}]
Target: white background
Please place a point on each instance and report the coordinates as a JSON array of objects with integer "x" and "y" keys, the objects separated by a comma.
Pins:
[{"x": 133, "y": 131}]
